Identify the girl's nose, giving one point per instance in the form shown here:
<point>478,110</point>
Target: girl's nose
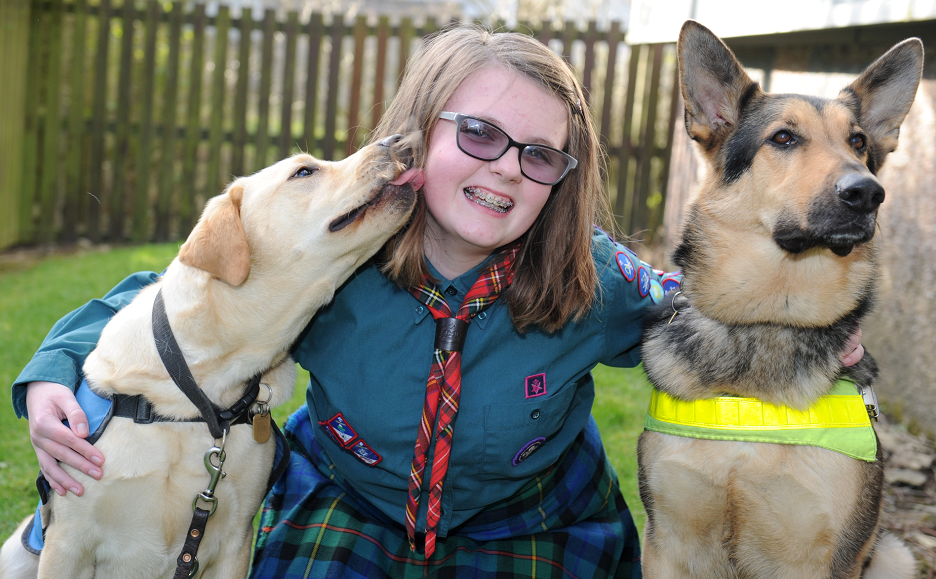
<point>508,165</point>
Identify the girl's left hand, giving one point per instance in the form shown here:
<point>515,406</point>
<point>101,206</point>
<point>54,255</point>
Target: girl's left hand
<point>854,351</point>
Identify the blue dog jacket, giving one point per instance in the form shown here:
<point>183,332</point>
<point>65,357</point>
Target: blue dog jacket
<point>99,411</point>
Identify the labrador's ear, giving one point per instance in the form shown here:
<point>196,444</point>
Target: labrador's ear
<point>218,244</point>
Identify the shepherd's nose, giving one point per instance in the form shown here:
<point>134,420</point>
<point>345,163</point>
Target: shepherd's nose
<point>389,141</point>
<point>861,193</point>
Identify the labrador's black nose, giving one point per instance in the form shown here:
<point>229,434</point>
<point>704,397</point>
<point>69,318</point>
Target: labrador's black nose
<point>389,141</point>
<point>861,193</point>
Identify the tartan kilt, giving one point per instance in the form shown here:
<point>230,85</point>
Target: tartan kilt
<point>571,522</point>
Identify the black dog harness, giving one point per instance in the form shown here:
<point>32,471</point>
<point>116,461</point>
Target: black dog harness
<point>139,409</point>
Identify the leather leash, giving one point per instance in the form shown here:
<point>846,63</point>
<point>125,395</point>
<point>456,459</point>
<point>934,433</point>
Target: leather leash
<point>219,423</point>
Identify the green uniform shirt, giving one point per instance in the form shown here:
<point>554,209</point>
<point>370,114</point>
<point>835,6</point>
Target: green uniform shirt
<point>369,354</point>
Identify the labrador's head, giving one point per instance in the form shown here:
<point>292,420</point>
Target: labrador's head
<point>306,221</point>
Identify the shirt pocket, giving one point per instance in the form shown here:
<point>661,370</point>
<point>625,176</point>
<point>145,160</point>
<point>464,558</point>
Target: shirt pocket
<point>517,436</point>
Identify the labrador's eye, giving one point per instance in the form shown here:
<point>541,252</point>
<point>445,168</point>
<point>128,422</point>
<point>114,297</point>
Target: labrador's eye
<point>304,172</point>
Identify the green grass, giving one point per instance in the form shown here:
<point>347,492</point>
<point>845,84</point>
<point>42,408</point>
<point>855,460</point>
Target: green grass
<point>35,296</point>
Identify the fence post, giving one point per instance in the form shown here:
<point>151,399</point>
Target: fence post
<point>14,45</point>
<point>74,187</point>
<point>214,181</point>
<point>289,85</point>
<point>142,208</point>
<point>99,123</point>
<point>239,140</point>
<point>193,122</point>
<point>331,103</point>
<point>314,30</point>
<point>167,158</point>
<point>357,72</point>
<point>261,152</point>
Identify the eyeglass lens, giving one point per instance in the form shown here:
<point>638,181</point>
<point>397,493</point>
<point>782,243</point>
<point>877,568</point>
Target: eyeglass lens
<point>487,142</point>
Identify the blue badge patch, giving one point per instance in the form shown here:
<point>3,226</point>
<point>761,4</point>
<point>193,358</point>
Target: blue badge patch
<point>644,280</point>
<point>626,265</point>
<point>656,291</point>
<point>339,428</point>
<point>365,453</point>
<point>670,285</point>
<point>528,449</point>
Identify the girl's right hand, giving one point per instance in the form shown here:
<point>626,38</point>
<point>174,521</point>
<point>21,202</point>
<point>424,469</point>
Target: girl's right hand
<point>48,404</point>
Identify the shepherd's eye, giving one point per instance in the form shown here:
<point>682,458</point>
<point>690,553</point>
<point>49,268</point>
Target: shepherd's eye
<point>304,172</point>
<point>783,138</point>
<point>858,141</point>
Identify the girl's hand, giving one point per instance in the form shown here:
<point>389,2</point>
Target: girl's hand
<point>854,351</point>
<point>48,404</point>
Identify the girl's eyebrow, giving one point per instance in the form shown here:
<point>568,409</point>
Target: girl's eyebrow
<point>533,141</point>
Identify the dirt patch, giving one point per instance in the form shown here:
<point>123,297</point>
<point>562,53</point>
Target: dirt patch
<point>910,497</point>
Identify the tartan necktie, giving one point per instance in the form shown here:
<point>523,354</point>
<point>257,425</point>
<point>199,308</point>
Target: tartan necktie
<point>444,385</point>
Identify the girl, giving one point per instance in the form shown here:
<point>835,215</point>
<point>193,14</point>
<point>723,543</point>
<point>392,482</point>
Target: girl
<point>493,467</point>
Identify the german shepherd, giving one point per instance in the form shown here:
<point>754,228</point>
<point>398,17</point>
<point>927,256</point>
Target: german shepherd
<point>779,260</point>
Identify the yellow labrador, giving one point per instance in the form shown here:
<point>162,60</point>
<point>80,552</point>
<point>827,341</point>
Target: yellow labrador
<point>266,254</point>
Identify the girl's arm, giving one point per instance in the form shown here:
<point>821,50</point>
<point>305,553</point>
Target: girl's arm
<point>44,390</point>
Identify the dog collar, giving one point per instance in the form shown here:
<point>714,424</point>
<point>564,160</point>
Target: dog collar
<point>218,420</point>
<point>838,421</point>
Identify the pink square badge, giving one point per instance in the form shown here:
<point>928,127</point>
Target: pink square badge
<point>535,385</point>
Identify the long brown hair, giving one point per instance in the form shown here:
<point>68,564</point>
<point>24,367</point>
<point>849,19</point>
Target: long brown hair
<point>555,278</point>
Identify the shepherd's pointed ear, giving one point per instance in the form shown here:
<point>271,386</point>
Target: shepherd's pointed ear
<point>218,243</point>
<point>713,83</point>
<point>883,94</point>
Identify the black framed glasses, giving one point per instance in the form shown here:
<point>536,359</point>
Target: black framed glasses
<point>484,141</point>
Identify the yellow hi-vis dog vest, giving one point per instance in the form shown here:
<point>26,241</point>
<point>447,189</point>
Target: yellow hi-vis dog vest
<point>838,421</point>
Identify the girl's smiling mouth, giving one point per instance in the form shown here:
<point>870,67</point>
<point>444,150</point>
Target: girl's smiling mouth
<point>489,200</point>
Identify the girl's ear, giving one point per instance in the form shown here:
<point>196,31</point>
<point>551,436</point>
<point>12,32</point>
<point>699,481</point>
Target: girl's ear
<point>218,244</point>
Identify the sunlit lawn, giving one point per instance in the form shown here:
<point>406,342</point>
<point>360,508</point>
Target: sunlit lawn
<point>34,296</point>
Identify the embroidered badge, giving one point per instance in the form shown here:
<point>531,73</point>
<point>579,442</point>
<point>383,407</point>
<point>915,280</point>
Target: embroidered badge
<point>535,385</point>
<point>644,281</point>
<point>338,427</point>
<point>627,267</point>
<point>365,453</point>
<point>670,285</point>
<point>528,449</point>
<point>324,425</point>
<point>656,291</point>
<point>659,272</point>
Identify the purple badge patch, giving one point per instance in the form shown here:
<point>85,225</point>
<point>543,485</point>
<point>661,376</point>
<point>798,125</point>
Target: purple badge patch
<point>535,385</point>
<point>644,281</point>
<point>528,449</point>
<point>341,430</point>
<point>365,453</point>
<point>627,267</point>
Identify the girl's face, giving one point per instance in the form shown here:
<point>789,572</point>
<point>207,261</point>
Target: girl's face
<point>477,206</point>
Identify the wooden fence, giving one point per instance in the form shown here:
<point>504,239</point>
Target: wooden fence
<point>126,117</point>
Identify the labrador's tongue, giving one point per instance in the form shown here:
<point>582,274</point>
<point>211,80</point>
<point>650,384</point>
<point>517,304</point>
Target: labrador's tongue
<point>414,177</point>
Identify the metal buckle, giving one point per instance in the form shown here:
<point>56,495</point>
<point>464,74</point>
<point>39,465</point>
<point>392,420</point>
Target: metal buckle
<point>870,400</point>
<point>216,474</point>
